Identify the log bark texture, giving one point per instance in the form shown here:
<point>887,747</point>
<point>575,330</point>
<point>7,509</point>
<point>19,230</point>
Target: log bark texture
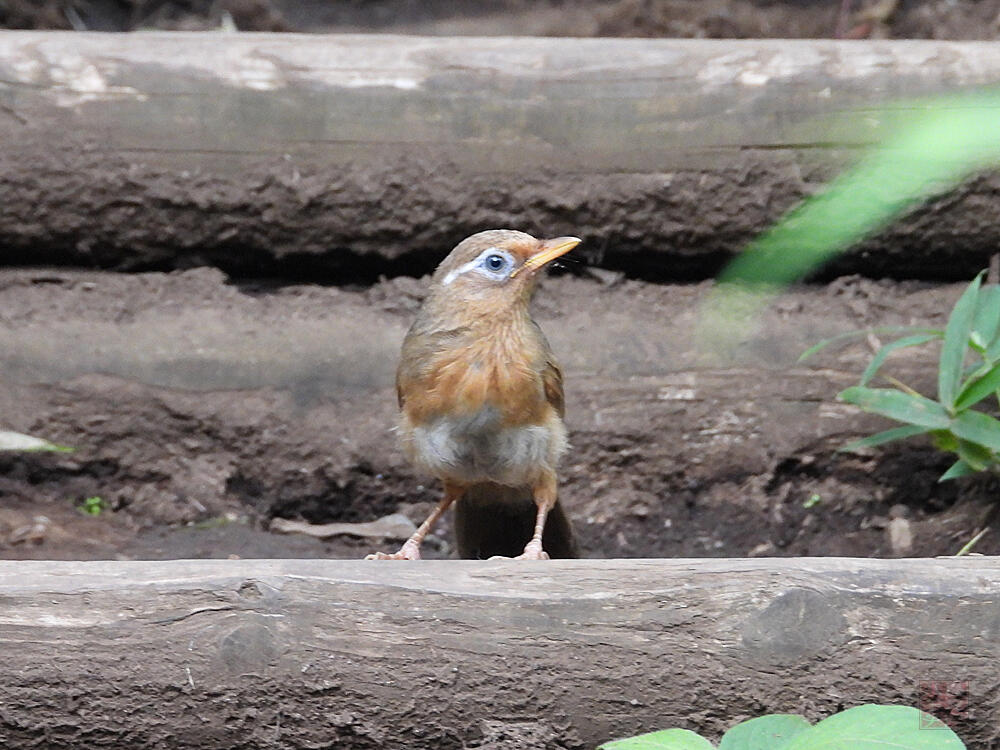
<point>297,653</point>
<point>348,156</point>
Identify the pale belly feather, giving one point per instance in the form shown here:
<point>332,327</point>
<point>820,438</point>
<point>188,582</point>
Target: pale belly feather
<point>478,448</point>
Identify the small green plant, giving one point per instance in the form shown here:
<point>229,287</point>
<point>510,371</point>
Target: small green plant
<point>869,727</point>
<point>968,374</point>
<point>812,501</point>
<point>93,506</point>
<point>16,441</point>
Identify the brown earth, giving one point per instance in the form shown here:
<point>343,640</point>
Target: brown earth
<point>728,19</point>
<point>201,410</point>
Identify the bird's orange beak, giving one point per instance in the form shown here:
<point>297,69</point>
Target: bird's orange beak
<point>548,251</point>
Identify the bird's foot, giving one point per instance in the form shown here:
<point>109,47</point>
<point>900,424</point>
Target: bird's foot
<point>409,551</point>
<point>533,554</point>
<point>532,551</point>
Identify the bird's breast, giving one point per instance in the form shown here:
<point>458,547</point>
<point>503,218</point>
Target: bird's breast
<point>478,411</point>
<point>495,372</point>
<point>479,447</point>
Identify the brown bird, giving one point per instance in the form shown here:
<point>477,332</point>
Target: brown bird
<point>481,398</point>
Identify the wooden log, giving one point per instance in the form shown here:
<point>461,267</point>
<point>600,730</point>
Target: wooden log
<point>348,156</point>
<point>307,653</point>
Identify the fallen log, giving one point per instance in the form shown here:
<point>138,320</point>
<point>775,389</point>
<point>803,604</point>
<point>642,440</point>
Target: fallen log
<point>312,653</point>
<point>349,156</point>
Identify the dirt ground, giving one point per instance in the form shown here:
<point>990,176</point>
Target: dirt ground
<point>917,19</point>
<point>202,409</point>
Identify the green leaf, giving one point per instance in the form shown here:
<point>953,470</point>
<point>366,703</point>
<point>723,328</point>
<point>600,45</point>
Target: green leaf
<point>975,456</point>
<point>827,342</point>
<point>879,438</point>
<point>944,441</point>
<point>771,732</point>
<point>973,372</point>
<point>956,342</point>
<point>903,407</point>
<point>93,506</point>
<point>986,328</point>
<point>15,441</point>
<point>992,353</point>
<point>667,739</point>
<point>940,141</point>
<point>874,727</point>
<point>976,390</point>
<point>977,427</point>
<point>889,348</point>
<point>957,469</point>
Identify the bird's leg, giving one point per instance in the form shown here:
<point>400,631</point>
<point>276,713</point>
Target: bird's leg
<point>843,18</point>
<point>411,547</point>
<point>545,499</point>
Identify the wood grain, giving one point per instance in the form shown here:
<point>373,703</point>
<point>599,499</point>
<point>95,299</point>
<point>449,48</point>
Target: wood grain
<point>312,653</point>
<point>348,154</point>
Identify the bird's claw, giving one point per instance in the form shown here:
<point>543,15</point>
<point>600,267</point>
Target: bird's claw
<point>533,555</point>
<point>406,552</point>
<point>531,552</point>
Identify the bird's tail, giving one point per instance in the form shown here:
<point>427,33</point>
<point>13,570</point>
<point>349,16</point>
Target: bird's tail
<point>491,519</point>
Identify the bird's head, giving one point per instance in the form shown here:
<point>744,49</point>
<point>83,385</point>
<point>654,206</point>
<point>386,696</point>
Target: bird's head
<point>498,267</point>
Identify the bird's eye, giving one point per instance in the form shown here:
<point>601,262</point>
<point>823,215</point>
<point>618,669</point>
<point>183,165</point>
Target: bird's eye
<point>495,262</point>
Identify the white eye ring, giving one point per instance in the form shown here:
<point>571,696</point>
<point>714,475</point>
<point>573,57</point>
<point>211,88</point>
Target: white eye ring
<point>495,263</point>
<point>482,265</point>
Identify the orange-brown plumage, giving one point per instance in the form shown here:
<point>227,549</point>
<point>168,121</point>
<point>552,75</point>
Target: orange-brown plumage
<point>479,391</point>
<point>502,364</point>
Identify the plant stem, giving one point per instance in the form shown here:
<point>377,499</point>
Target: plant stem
<point>901,385</point>
<point>972,542</point>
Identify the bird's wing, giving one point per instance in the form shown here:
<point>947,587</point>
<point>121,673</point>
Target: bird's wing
<point>400,398</point>
<point>410,360</point>
<point>552,378</point>
<point>553,382</point>
<point>421,347</point>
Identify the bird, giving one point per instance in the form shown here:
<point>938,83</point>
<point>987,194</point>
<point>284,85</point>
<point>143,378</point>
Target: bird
<point>481,401</point>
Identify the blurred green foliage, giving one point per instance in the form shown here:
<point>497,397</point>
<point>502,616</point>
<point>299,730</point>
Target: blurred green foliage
<point>939,142</point>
